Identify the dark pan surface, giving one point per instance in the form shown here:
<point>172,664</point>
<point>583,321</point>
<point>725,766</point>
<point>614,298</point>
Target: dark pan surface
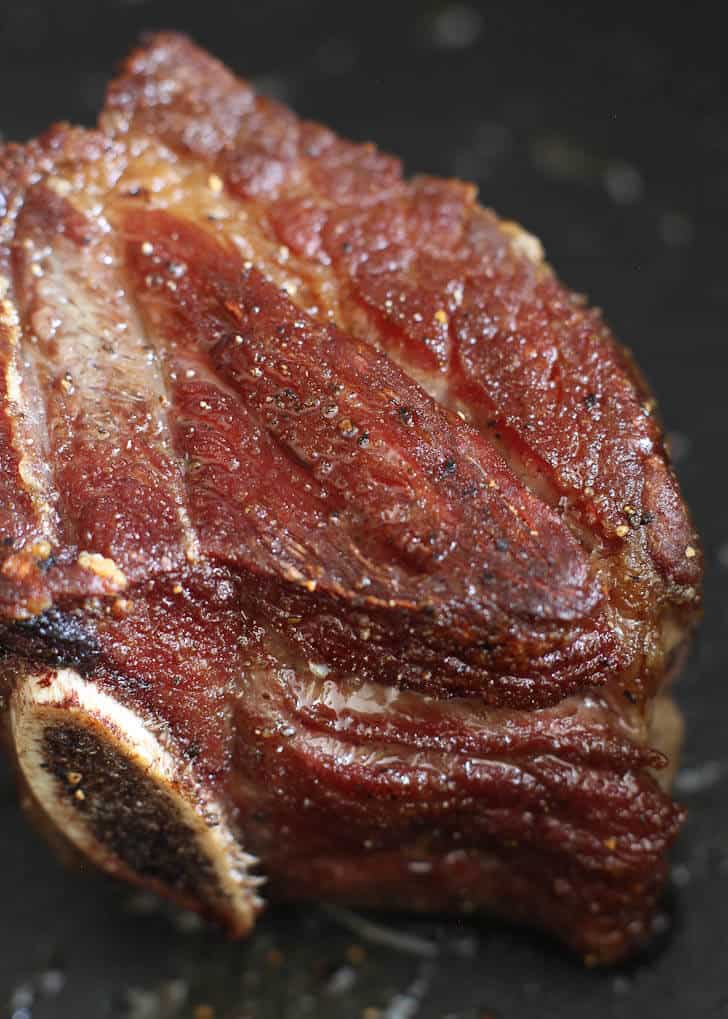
<point>607,135</point>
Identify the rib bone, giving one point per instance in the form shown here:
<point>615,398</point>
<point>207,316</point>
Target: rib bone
<point>122,795</point>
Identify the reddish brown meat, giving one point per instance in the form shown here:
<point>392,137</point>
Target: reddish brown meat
<point>317,487</point>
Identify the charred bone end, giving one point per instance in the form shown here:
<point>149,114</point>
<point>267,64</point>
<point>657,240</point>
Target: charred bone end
<point>126,800</point>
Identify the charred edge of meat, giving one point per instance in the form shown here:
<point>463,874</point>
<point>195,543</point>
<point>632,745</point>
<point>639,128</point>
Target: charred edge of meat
<point>54,638</point>
<point>127,801</point>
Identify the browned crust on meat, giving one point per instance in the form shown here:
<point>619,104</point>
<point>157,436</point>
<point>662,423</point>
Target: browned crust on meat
<point>255,384</point>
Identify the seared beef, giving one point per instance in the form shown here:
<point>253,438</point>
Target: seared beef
<point>338,541</point>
